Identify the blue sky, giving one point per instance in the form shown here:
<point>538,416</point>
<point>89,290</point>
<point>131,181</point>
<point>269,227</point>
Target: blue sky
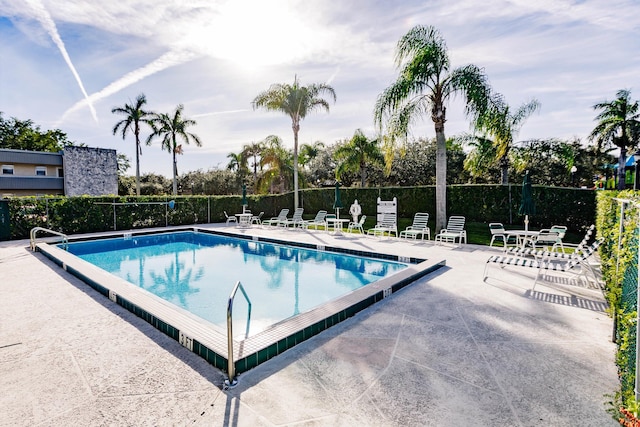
<point>66,64</point>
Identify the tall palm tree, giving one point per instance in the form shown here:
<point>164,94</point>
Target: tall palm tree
<point>170,129</point>
<point>135,115</point>
<point>503,124</point>
<point>355,155</point>
<point>425,84</point>
<point>618,123</point>
<point>296,101</point>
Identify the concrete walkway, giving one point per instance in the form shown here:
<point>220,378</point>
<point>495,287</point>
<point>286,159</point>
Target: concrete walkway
<point>449,350</point>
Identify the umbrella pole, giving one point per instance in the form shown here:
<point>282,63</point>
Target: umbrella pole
<point>526,223</point>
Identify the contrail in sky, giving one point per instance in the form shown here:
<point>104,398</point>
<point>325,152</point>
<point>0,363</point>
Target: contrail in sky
<point>167,60</point>
<point>216,113</point>
<point>42,15</point>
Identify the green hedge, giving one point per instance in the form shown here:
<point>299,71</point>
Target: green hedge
<point>619,265</point>
<point>478,203</point>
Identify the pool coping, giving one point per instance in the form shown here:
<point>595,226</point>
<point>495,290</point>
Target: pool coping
<point>208,340</point>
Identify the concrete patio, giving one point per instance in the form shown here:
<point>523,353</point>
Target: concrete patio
<point>451,349</point>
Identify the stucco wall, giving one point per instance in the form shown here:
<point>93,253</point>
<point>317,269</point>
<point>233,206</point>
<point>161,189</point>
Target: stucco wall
<point>90,171</point>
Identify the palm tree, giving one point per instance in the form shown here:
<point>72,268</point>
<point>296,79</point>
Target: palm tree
<point>482,156</point>
<point>425,84</point>
<point>308,152</point>
<point>295,101</point>
<point>618,123</point>
<point>499,122</point>
<point>253,150</point>
<point>134,116</point>
<point>356,155</point>
<point>170,128</point>
<point>276,161</point>
<point>236,161</point>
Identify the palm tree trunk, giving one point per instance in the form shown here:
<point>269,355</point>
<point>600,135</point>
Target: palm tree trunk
<point>504,167</point>
<point>175,178</point>
<point>137,167</point>
<point>622,160</point>
<point>441,167</point>
<point>296,128</point>
<point>137,132</point>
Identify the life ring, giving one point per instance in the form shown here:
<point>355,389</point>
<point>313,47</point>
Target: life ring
<point>355,209</point>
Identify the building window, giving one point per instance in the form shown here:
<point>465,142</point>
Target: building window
<point>60,173</point>
<point>7,169</point>
<point>41,171</point>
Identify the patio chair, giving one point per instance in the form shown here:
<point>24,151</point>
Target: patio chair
<point>282,216</point>
<point>577,265</point>
<point>499,233</point>
<point>454,231</point>
<point>295,221</point>
<point>257,219</point>
<point>315,222</point>
<point>561,230</point>
<point>419,227</point>
<point>357,225</point>
<point>546,239</point>
<point>230,218</point>
<point>387,224</point>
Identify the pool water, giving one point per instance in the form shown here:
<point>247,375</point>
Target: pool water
<point>197,271</point>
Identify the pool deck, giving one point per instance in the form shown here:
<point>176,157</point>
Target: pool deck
<point>451,349</point>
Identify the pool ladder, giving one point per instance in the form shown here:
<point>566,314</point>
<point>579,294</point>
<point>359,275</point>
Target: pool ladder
<point>231,367</point>
<point>34,231</point>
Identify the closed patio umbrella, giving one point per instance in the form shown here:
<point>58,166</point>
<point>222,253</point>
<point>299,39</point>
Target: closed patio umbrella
<point>337,203</point>
<point>527,207</point>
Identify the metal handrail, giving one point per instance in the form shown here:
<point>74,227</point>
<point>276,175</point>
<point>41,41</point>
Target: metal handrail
<point>32,234</point>
<point>231,367</point>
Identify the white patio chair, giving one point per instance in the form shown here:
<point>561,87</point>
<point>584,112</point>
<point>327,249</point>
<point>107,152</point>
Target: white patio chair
<point>546,239</point>
<point>454,231</point>
<point>419,227</point>
<point>282,216</point>
<point>257,219</point>
<point>315,222</point>
<point>295,221</point>
<point>230,218</point>
<point>357,225</point>
<point>499,233</point>
<point>387,224</point>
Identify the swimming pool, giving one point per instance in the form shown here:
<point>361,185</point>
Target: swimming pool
<point>208,340</point>
<point>197,272</point>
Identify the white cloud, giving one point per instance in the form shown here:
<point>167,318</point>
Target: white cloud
<point>215,56</point>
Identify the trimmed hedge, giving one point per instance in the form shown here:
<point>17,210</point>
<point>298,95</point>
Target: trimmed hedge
<point>478,203</point>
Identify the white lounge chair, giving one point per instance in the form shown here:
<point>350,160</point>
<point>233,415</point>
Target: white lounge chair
<point>419,227</point>
<point>282,216</point>
<point>315,222</point>
<point>454,231</point>
<point>575,263</point>
<point>539,253</point>
<point>295,221</point>
<point>357,225</point>
<point>387,224</point>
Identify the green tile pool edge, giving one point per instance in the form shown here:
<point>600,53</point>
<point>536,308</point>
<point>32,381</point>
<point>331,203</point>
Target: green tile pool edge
<point>262,355</point>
